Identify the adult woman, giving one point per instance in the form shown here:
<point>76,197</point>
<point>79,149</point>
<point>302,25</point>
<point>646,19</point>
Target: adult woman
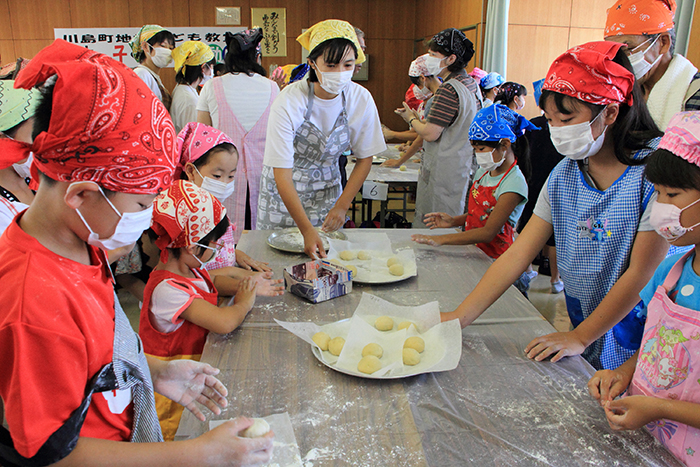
<point>151,47</point>
<point>238,103</point>
<point>595,203</point>
<point>511,95</point>
<point>447,161</point>
<point>312,123</point>
<point>194,66</point>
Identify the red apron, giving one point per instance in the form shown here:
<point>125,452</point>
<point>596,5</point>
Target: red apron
<point>665,368</point>
<point>481,203</point>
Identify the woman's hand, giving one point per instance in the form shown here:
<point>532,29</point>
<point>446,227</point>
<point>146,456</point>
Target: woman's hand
<point>246,262</point>
<point>441,220</point>
<point>391,163</point>
<point>432,240</point>
<point>561,344</point>
<point>406,113</point>
<point>313,245</point>
<point>335,219</point>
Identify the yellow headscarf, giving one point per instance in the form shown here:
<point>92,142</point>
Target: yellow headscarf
<point>191,53</point>
<point>330,29</point>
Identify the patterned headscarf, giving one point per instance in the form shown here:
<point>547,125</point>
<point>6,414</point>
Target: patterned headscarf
<point>183,215</point>
<point>145,33</point>
<point>330,29</point>
<point>455,42</point>
<point>248,39</point>
<point>637,17</point>
<point>491,80</point>
<point>191,53</point>
<point>587,72</point>
<point>194,140</point>
<point>497,122</point>
<point>16,105</point>
<point>418,67</point>
<point>477,73</point>
<point>682,136</point>
<point>106,125</point>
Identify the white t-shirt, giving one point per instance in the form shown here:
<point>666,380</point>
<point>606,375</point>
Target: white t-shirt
<point>169,299</point>
<point>183,109</point>
<point>8,211</point>
<point>287,114</point>
<point>247,97</point>
<point>151,79</point>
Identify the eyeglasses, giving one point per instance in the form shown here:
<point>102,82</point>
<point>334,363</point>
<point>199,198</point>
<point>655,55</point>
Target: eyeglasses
<point>218,246</point>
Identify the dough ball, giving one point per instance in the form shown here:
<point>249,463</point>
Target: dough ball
<point>406,325</point>
<point>396,269</point>
<point>392,261</point>
<point>337,261</point>
<point>321,339</point>
<point>373,349</point>
<point>353,270</point>
<point>416,343</point>
<point>384,323</point>
<point>259,428</point>
<point>335,346</point>
<point>402,168</point>
<point>411,357</point>
<point>369,364</point>
<point>347,255</point>
<point>363,255</point>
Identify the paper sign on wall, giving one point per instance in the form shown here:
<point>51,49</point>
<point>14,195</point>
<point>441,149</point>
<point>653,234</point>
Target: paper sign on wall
<point>375,190</point>
<point>273,22</point>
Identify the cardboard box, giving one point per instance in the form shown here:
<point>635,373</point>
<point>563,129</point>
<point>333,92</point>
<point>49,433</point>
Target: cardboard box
<point>318,281</point>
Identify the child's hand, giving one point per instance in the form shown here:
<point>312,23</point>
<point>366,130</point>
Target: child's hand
<point>559,344</point>
<point>630,413</point>
<point>606,385</point>
<point>436,220</point>
<point>431,240</point>
<point>246,262</point>
<point>246,293</point>
<point>267,287</point>
<point>223,446</point>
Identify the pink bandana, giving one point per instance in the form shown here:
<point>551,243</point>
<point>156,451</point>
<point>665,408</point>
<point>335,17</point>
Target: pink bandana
<point>682,136</point>
<point>195,140</point>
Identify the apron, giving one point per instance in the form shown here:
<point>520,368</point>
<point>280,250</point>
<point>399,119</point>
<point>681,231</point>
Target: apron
<point>665,368</point>
<point>315,174</point>
<point>227,256</point>
<point>446,164</point>
<point>185,342</point>
<point>251,151</point>
<point>128,370</point>
<point>482,204</point>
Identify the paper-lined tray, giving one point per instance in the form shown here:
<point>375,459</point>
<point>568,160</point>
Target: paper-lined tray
<point>375,269</point>
<point>443,341</point>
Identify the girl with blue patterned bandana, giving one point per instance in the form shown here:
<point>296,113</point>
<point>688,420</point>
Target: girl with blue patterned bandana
<point>596,203</point>
<point>665,367</point>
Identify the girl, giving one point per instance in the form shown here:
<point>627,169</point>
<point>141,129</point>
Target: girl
<point>151,47</point>
<point>511,95</point>
<point>665,367</point>
<point>499,191</point>
<point>489,87</point>
<point>596,202</point>
<point>194,66</point>
<point>180,301</point>
<point>312,123</point>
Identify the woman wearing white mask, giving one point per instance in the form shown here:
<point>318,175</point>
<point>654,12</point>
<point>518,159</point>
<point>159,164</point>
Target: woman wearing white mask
<point>596,202</point>
<point>194,66</point>
<point>312,123</point>
<point>152,48</point>
<point>238,103</point>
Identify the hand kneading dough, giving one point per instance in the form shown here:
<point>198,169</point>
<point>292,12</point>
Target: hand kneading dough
<point>369,364</point>
<point>321,339</point>
<point>406,325</point>
<point>335,346</point>
<point>392,261</point>
<point>411,357</point>
<point>347,255</point>
<point>259,428</point>
<point>384,323</point>
<point>363,255</point>
<point>416,343</point>
<point>396,269</point>
<point>373,349</point>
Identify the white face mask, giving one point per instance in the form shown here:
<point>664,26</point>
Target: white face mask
<point>206,78</point>
<point>204,263</point>
<point>334,82</point>
<point>485,160</point>
<point>433,65</point>
<point>219,189</point>
<point>129,229</point>
<point>23,168</point>
<point>576,141</point>
<point>422,94</point>
<point>161,57</point>
<point>666,220</point>
<point>640,65</point>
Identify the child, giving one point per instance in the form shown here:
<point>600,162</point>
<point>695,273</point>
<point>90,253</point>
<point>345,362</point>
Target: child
<point>665,368</point>
<point>194,65</point>
<point>152,48</point>
<point>73,378</point>
<point>180,301</point>
<point>499,191</point>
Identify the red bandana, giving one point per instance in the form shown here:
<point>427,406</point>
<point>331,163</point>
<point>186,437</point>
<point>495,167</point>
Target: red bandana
<point>106,126</point>
<point>588,73</point>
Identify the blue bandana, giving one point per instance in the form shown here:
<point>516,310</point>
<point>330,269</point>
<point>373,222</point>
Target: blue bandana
<point>497,122</point>
<point>492,80</point>
<point>538,89</point>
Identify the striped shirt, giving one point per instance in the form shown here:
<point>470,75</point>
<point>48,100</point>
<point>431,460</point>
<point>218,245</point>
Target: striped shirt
<point>445,107</point>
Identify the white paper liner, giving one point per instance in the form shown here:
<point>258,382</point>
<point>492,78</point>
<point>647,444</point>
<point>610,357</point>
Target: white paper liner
<point>285,451</point>
<point>378,245</point>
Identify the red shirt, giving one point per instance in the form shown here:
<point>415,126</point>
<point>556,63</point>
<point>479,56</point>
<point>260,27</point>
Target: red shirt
<point>411,100</point>
<point>56,332</point>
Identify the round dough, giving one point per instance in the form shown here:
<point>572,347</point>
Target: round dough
<point>416,343</point>
<point>337,261</point>
<point>353,270</point>
<point>347,255</point>
<point>335,346</point>
<point>384,323</point>
<point>321,339</point>
<point>406,325</point>
<point>363,255</point>
<point>392,261</point>
<point>369,364</point>
<point>411,357</point>
<point>402,168</point>
<point>373,349</point>
<point>259,428</point>
<point>396,269</point>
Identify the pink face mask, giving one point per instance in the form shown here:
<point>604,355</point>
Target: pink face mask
<point>666,220</point>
